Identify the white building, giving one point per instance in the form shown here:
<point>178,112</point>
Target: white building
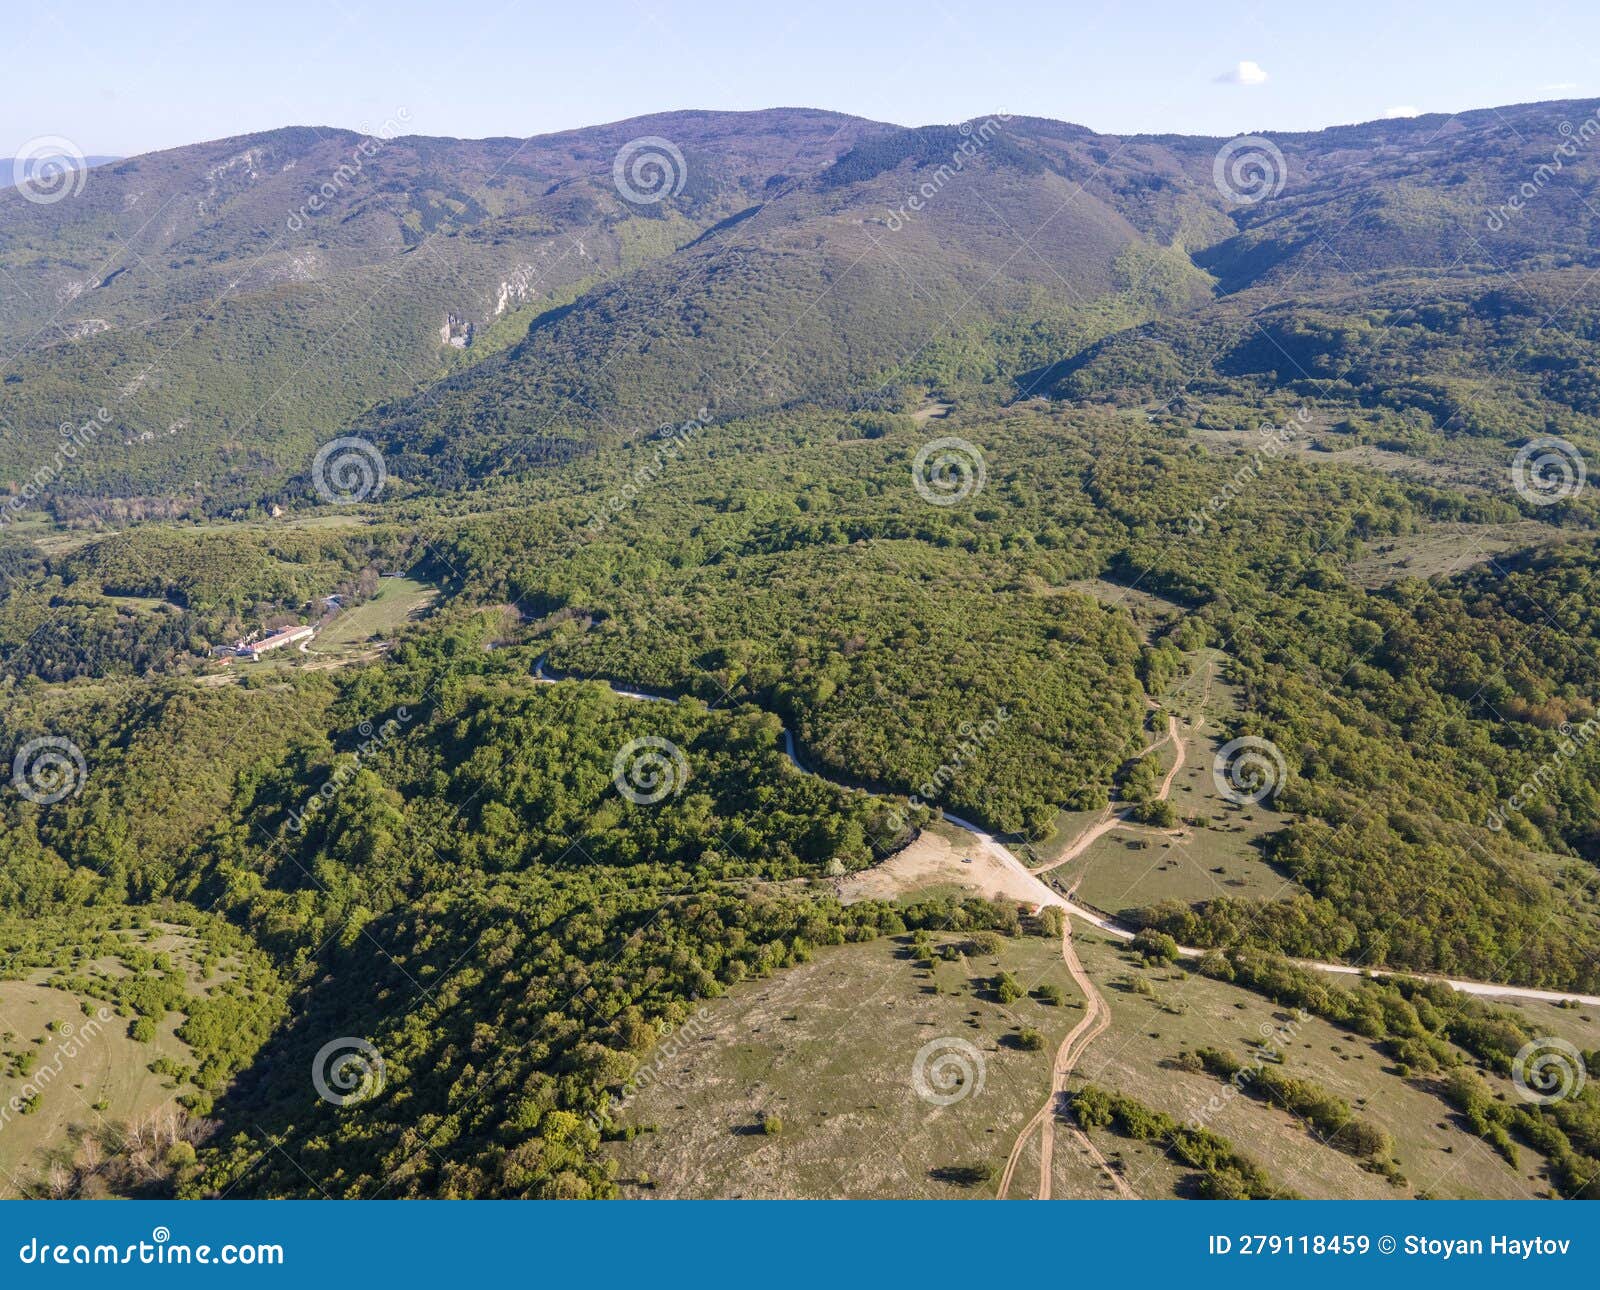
<point>288,636</point>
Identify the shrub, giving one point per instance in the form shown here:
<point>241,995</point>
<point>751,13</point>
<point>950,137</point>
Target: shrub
<point>1157,947</point>
<point>965,1175</point>
<point>1159,814</point>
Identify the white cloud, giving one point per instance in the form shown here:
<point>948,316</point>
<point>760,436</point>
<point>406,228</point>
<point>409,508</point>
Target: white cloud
<point>1399,113</point>
<point>1246,73</point>
<point>1560,87</point>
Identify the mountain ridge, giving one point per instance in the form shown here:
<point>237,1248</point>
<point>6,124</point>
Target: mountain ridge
<point>264,292</point>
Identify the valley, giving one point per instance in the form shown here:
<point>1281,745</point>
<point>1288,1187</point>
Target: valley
<point>1081,685</point>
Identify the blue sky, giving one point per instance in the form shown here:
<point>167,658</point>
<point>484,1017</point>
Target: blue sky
<point>121,78</point>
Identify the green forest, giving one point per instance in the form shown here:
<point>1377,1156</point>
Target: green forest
<point>1206,445</point>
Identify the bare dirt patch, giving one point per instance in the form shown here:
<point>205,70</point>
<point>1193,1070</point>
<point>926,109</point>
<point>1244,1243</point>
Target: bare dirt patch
<point>936,860</point>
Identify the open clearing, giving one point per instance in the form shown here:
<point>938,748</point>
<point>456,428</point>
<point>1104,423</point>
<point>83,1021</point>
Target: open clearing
<point>1435,1150</point>
<point>1148,611</point>
<point>830,1046</point>
<point>355,635</point>
<point>1214,851</point>
<point>396,602</point>
<point>68,1055</point>
<point>87,1074</point>
<point>941,856</point>
<point>1469,465</point>
<point>789,1049</point>
<point>1445,550</point>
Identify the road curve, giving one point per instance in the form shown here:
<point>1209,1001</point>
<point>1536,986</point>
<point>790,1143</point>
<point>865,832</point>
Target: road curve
<point>1097,1015</point>
<point>1122,932</point>
<point>1045,895</point>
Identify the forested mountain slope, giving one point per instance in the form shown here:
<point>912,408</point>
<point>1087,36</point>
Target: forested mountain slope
<point>966,463</point>
<point>230,304</point>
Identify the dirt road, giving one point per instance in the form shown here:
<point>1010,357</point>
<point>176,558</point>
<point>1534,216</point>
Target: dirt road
<point>1096,1014</point>
<point>1111,818</point>
<point>1096,1017</point>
